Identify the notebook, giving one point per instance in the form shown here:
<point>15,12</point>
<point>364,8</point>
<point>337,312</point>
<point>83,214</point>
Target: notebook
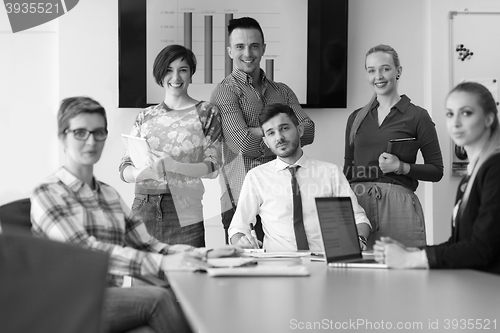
<point>138,150</point>
<point>340,235</point>
<point>405,149</point>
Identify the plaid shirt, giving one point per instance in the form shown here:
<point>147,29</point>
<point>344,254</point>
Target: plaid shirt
<point>240,105</point>
<point>63,208</point>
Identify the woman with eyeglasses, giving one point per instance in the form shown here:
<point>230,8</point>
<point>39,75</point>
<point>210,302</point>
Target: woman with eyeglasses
<point>72,206</point>
<point>472,121</point>
<point>184,136</point>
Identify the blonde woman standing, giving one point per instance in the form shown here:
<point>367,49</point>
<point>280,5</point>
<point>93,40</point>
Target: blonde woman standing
<point>385,183</point>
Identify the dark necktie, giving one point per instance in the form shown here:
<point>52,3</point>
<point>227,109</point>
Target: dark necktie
<point>298,222</point>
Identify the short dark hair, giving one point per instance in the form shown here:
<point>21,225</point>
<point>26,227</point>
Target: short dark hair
<point>244,23</point>
<point>272,110</point>
<point>72,107</point>
<point>168,55</point>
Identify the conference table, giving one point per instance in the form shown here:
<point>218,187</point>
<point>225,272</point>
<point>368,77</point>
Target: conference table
<point>341,299</point>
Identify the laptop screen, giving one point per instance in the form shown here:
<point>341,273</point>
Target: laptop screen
<point>338,228</point>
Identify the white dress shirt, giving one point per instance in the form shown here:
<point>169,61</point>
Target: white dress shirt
<point>267,192</point>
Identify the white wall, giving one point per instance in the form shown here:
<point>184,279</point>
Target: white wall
<point>28,102</point>
<point>78,55</point>
<point>444,191</point>
<point>366,29</point>
<point>372,23</point>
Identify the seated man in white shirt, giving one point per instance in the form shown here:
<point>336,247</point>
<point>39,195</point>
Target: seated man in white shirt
<point>267,190</point>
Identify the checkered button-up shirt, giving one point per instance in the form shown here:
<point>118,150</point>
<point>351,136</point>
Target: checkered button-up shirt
<point>63,208</point>
<point>240,105</point>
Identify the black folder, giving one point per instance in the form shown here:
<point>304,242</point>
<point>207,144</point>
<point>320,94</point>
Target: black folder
<point>405,149</point>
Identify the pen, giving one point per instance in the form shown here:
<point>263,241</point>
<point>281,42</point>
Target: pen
<point>254,235</point>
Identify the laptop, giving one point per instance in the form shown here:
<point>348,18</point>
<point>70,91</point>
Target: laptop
<point>340,235</point>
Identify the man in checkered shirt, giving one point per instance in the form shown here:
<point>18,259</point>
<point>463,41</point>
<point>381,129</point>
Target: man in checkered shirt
<point>240,97</point>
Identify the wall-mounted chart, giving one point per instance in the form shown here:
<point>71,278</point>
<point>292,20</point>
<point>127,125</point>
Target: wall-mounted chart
<point>201,26</point>
<point>306,45</point>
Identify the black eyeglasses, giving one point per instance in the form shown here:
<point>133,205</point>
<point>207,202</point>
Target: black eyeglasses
<point>82,134</point>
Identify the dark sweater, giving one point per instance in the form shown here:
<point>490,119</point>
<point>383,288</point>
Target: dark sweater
<point>475,239</point>
<point>405,120</point>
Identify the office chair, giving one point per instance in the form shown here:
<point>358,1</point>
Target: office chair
<point>50,287</point>
<point>15,217</point>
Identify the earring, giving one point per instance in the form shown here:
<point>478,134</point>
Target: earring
<point>397,77</point>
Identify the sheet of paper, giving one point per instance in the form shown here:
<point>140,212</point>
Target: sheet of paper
<point>297,270</point>
<point>138,150</point>
<point>230,262</point>
<point>291,254</point>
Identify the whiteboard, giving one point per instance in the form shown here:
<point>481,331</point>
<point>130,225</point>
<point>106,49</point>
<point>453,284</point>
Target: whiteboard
<point>474,56</point>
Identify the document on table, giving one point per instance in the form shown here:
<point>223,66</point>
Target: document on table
<point>260,270</point>
<point>194,265</point>
<point>291,254</point>
<point>230,262</point>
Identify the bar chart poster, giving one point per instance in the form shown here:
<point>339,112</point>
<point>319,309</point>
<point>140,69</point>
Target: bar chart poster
<point>201,26</point>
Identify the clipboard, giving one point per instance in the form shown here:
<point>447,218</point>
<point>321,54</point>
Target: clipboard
<point>405,149</point>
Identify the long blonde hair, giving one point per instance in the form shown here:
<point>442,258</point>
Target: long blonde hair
<point>492,146</point>
<point>364,111</point>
